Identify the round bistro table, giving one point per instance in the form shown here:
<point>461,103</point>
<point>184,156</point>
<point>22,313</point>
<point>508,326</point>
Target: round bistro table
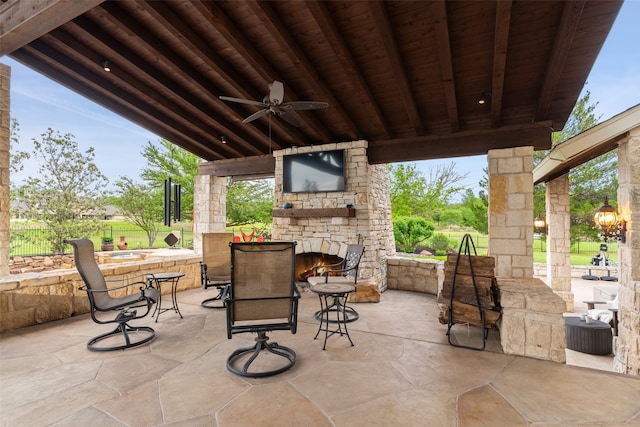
<point>158,279</point>
<point>591,338</point>
<point>338,293</point>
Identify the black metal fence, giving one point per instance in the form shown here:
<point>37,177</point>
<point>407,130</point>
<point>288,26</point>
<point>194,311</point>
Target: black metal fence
<point>30,241</point>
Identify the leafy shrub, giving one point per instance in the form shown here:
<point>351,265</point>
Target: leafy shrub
<point>409,231</point>
<point>440,243</point>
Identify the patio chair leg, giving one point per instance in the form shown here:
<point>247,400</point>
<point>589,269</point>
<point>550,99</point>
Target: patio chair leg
<point>122,329</point>
<point>261,344</point>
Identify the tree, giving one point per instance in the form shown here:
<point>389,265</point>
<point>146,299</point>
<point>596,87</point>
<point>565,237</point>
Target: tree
<point>167,160</point>
<point>249,202</point>
<point>474,211</point>
<point>16,157</point>
<point>406,190</point>
<point>66,193</point>
<point>141,205</point>
<point>590,182</point>
<point>413,195</point>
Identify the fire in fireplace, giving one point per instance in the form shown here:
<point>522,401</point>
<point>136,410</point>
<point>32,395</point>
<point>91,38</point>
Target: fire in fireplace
<point>306,261</point>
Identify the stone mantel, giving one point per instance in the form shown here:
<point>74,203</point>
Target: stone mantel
<point>315,213</point>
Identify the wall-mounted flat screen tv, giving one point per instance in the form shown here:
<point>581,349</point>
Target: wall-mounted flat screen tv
<point>313,172</point>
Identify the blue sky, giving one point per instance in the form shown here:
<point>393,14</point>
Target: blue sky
<point>39,103</point>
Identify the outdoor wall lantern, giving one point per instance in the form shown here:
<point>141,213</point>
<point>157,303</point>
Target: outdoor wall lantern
<point>540,225</point>
<point>611,227</point>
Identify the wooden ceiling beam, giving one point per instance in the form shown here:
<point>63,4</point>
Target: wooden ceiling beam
<point>563,41</point>
<point>162,13</point>
<point>466,143</point>
<point>170,91</point>
<point>170,60</point>
<point>225,26</point>
<point>247,167</point>
<point>443,46</point>
<point>154,123</point>
<point>137,89</point>
<point>500,47</point>
<point>278,30</point>
<point>392,53</point>
<point>21,22</point>
<point>218,18</point>
<point>349,66</point>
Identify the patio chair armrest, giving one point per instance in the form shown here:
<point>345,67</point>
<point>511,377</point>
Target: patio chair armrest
<point>225,294</point>
<point>591,304</point>
<point>342,270</point>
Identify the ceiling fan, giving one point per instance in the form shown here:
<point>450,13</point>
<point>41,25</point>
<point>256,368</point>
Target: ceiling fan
<point>272,103</point>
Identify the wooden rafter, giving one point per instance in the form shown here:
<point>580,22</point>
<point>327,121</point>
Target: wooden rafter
<point>500,46</point>
<point>443,45</point>
<point>143,116</point>
<point>163,13</point>
<point>563,42</point>
<point>21,22</point>
<point>384,28</point>
<point>169,87</point>
<point>278,30</point>
<point>349,66</point>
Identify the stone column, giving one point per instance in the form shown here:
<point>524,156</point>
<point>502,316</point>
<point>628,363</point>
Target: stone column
<point>209,207</point>
<point>558,238</point>
<point>627,359</point>
<point>511,211</point>
<point>5,145</point>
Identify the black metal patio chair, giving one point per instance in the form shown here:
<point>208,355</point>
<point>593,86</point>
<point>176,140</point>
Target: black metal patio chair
<point>262,297</point>
<point>133,294</point>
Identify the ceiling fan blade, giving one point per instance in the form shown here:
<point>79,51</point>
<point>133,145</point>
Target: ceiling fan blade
<point>276,93</point>
<point>242,101</point>
<point>256,115</point>
<point>289,117</point>
<point>305,105</point>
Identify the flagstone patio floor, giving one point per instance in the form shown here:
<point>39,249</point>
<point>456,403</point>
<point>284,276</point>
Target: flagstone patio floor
<point>401,372</point>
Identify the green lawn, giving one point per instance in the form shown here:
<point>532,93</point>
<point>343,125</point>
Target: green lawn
<point>581,253</point>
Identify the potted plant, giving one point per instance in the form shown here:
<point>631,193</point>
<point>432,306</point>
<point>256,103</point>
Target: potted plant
<point>107,243</point>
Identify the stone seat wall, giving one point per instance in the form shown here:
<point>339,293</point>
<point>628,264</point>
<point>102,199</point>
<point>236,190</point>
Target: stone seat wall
<point>532,321</point>
<point>33,298</point>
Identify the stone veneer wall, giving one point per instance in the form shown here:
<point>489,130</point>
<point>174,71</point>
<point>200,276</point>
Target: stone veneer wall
<point>5,146</point>
<point>33,298</point>
<point>558,213</point>
<point>511,211</point>
<point>366,189</point>
<point>210,215</point>
<point>532,321</point>
<point>415,274</point>
<point>627,358</point>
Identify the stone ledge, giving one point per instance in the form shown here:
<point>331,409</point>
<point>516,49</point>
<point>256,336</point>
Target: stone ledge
<point>532,322</point>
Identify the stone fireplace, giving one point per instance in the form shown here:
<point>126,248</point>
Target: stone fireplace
<point>324,223</point>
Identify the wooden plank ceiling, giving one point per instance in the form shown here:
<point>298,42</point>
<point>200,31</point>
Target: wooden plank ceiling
<point>404,75</point>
